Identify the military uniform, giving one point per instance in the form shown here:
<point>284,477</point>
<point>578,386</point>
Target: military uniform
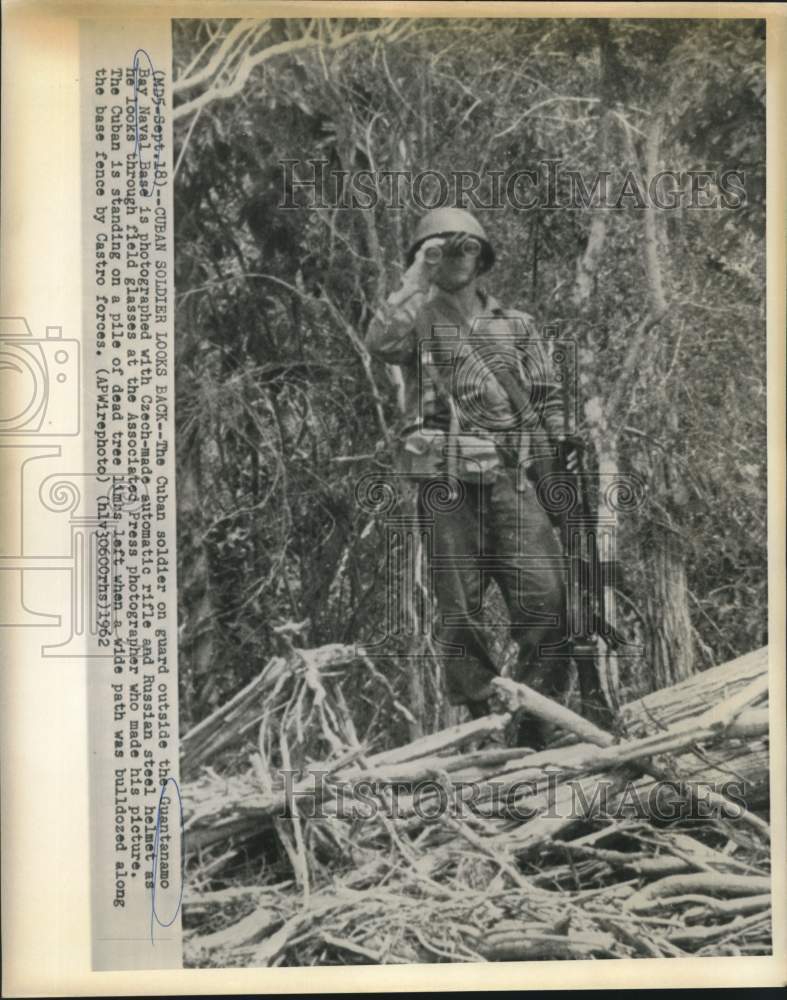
<point>467,428</point>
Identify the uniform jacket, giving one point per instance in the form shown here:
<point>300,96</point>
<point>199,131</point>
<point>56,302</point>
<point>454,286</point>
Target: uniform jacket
<point>478,395</point>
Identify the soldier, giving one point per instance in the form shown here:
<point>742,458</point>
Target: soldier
<point>477,397</point>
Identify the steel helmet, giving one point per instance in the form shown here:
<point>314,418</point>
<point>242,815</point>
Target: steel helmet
<point>441,222</point>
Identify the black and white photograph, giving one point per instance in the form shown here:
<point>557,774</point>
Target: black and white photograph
<point>392,509</point>
<point>472,510</point>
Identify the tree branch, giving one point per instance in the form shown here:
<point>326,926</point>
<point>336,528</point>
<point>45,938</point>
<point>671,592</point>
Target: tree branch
<point>213,65</point>
<point>236,84</point>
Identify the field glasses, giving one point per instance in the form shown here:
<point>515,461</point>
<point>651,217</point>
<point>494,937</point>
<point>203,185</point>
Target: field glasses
<point>460,244</point>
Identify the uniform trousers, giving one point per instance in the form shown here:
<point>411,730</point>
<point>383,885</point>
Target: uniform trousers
<point>485,530</point>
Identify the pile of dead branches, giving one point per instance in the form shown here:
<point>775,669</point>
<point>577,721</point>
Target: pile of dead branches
<point>306,846</point>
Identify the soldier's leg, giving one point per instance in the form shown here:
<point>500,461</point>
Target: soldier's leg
<point>454,537</point>
<point>531,577</point>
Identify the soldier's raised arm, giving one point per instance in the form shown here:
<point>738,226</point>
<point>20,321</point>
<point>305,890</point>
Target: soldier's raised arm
<point>391,332</point>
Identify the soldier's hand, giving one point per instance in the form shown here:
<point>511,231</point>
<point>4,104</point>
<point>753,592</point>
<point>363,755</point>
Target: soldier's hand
<point>420,274</point>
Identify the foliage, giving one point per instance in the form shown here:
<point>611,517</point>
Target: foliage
<point>280,411</point>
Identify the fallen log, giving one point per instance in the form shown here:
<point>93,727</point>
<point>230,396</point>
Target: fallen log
<point>523,943</point>
<point>520,696</point>
<point>433,879</point>
<point>677,731</point>
<point>707,883</point>
<point>688,698</point>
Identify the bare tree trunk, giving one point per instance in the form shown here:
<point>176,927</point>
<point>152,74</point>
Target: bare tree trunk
<point>671,639</point>
<point>588,262</point>
<point>671,636</point>
<point>597,411</point>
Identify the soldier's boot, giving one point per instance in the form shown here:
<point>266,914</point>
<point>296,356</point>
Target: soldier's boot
<point>478,709</point>
<point>550,678</point>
